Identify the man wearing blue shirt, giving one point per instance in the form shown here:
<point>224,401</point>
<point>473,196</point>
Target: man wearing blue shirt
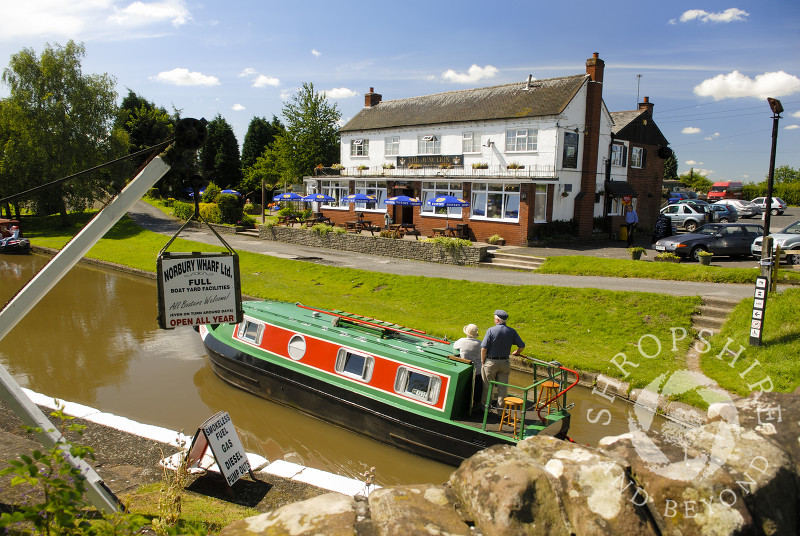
<point>631,220</point>
<point>495,350</point>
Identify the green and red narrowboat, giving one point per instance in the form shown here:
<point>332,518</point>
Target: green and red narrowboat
<point>391,383</point>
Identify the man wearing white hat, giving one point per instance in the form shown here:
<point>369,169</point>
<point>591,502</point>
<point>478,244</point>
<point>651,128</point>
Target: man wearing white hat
<point>495,350</point>
<point>469,347</point>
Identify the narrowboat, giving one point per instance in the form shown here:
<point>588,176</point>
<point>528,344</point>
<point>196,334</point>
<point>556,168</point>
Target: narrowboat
<point>11,240</point>
<point>392,383</point>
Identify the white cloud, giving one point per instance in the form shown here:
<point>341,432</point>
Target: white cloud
<point>89,19</point>
<point>263,80</point>
<point>146,13</point>
<point>286,94</point>
<point>729,15</point>
<point>473,75</point>
<point>183,77</point>
<point>316,52</point>
<point>248,71</point>
<point>735,84</point>
<point>237,107</point>
<point>791,127</point>
<point>693,163</point>
<point>795,114</point>
<point>339,93</point>
<point>698,171</point>
<point>712,137</point>
<point>690,130</point>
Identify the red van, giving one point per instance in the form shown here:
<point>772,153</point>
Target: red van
<point>725,190</point>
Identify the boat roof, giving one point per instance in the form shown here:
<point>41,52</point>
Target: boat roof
<point>367,334</point>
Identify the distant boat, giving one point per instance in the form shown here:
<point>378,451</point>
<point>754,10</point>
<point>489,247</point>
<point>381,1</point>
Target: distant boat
<point>11,239</point>
<point>388,382</point>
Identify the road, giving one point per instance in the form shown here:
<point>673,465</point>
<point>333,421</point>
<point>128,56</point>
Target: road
<point>153,219</point>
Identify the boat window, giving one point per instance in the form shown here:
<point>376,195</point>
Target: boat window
<point>297,347</point>
<point>417,385</point>
<point>354,365</point>
<point>251,331</point>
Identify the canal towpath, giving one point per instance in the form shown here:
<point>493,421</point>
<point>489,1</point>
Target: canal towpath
<point>152,219</point>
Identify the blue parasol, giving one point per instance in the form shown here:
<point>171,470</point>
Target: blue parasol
<point>318,198</point>
<point>359,198</point>
<point>289,196</point>
<point>447,201</point>
<point>232,192</point>
<point>403,200</point>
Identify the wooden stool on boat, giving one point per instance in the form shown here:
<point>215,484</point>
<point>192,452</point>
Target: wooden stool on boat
<point>549,390</point>
<point>511,406</point>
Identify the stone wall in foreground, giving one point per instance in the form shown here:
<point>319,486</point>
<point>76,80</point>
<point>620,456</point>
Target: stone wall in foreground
<point>736,474</point>
<point>376,245</point>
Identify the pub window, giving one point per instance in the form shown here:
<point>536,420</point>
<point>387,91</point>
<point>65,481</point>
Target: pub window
<point>429,144</point>
<point>570,159</point>
<point>392,146</point>
<point>353,365</point>
<point>376,189</point>
<point>619,155</point>
<point>251,331</point>
<point>432,190</point>
<point>637,157</point>
<point>471,142</point>
<point>337,189</point>
<point>359,147</point>
<point>540,203</point>
<point>417,385</point>
<point>522,140</point>
<point>498,201</point>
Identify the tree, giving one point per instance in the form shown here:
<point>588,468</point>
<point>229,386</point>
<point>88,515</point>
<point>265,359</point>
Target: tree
<point>64,123</point>
<point>146,124</point>
<point>671,168</point>
<point>695,181</point>
<point>786,174</point>
<point>266,170</point>
<point>220,154</point>
<point>260,135</point>
<point>311,136</point>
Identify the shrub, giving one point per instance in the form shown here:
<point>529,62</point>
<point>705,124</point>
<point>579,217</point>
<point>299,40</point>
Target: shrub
<point>153,193</point>
<point>211,193</point>
<point>247,221</point>
<point>386,233</point>
<point>183,211</point>
<point>210,212</point>
<point>480,165</point>
<point>230,208</point>
<point>322,229</point>
<point>451,245</point>
<point>494,239</point>
<point>168,202</point>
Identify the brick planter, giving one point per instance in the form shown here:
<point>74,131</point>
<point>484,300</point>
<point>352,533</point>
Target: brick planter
<point>376,245</point>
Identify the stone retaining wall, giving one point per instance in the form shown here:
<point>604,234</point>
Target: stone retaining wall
<point>376,245</point>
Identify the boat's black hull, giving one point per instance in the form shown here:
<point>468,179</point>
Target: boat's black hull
<point>435,439</point>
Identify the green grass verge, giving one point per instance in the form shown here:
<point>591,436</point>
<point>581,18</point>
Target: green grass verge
<point>583,265</point>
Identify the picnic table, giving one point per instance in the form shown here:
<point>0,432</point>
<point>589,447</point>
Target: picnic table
<point>361,225</point>
<point>288,220</point>
<point>444,231</point>
<point>404,229</point>
<point>310,222</point>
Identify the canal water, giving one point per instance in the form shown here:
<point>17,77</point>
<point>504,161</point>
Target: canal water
<point>94,339</point>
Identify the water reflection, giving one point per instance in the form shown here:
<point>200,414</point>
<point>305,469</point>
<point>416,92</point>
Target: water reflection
<point>94,340</point>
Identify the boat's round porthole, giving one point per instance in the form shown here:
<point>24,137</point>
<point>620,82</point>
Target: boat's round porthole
<point>297,347</point>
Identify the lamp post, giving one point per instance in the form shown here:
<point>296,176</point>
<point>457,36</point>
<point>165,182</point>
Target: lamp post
<point>764,281</point>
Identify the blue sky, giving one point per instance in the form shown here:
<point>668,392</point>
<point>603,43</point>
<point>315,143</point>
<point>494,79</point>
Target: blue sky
<point>707,66</point>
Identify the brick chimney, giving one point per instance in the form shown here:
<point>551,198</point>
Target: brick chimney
<point>371,98</point>
<point>584,205</point>
<point>646,105</point>
<point>595,67</point>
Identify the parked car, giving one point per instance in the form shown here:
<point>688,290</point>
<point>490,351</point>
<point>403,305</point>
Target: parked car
<point>789,241</point>
<point>690,216</point>
<point>744,208</point>
<point>674,197</point>
<point>777,207</point>
<point>723,213</point>
<point>717,238</point>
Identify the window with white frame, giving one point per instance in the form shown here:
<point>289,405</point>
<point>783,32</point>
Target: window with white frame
<point>637,157</point>
<point>338,189</point>
<point>522,140</point>
<point>471,142</point>
<point>429,144</point>
<point>359,147</point>
<point>376,189</point>
<point>432,190</point>
<point>616,208</point>
<point>540,203</point>
<point>391,146</point>
<point>619,154</point>
<point>495,200</point>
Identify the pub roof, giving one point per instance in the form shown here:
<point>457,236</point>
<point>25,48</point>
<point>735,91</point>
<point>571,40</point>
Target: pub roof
<point>538,98</point>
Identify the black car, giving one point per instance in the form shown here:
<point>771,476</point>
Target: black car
<point>717,238</point>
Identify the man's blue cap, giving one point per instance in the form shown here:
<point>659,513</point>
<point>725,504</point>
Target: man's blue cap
<point>502,315</point>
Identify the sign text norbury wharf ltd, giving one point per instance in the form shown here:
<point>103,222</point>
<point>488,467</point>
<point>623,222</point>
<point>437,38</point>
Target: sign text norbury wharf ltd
<point>198,288</point>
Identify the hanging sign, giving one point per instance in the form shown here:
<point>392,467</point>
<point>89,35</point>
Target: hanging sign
<point>626,200</point>
<point>759,304</point>
<point>198,288</point>
<point>219,433</point>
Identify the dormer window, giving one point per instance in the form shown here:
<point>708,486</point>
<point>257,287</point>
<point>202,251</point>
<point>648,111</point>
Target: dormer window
<point>429,144</point>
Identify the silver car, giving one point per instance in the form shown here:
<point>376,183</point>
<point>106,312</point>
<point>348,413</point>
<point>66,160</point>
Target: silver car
<point>686,215</point>
<point>744,208</point>
<point>789,241</point>
<point>777,207</point>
